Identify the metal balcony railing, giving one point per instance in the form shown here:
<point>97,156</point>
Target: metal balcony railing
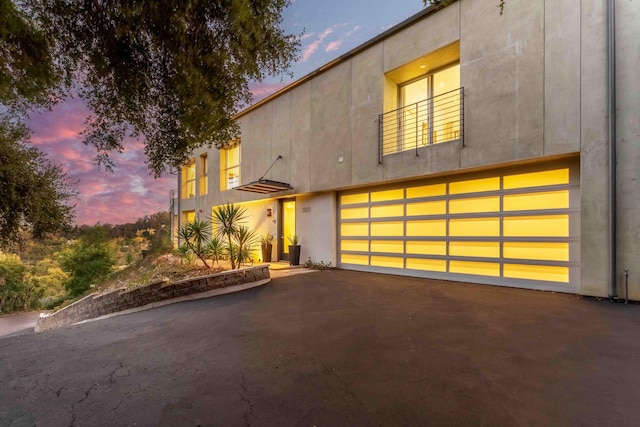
<point>432,121</point>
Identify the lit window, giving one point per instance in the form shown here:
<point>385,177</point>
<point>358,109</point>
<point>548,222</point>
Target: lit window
<point>189,179</point>
<point>230,167</point>
<point>429,112</point>
<point>204,174</point>
<point>188,216</point>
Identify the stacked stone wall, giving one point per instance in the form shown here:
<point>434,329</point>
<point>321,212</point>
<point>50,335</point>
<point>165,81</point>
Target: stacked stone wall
<point>97,305</point>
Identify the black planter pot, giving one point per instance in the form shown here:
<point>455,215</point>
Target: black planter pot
<point>266,253</point>
<point>294,255</point>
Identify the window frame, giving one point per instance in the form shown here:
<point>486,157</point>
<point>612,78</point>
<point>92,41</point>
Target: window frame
<point>225,167</point>
<point>188,182</point>
<point>203,187</point>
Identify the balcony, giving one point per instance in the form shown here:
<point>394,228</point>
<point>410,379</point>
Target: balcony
<point>424,123</point>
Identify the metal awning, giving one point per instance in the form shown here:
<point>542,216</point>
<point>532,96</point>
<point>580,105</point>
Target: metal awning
<point>265,186</point>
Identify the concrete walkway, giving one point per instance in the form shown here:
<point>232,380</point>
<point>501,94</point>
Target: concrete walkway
<point>19,323</point>
<point>336,348</point>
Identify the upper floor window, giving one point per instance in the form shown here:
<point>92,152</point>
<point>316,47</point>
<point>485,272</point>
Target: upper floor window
<point>430,108</point>
<point>230,167</point>
<point>204,175</point>
<point>189,179</point>
<point>428,111</point>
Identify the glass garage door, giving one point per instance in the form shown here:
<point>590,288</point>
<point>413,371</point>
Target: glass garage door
<point>518,228</point>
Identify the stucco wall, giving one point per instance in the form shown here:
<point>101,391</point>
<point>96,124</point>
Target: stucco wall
<point>523,83</point>
<point>628,144</point>
<point>316,225</point>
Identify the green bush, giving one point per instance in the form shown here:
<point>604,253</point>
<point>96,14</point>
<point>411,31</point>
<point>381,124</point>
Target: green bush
<point>88,261</point>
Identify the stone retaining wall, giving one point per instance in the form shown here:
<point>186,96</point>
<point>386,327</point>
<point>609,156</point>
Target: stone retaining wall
<point>96,305</point>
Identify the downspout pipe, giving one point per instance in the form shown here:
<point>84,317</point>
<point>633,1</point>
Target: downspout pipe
<point>611,88</point>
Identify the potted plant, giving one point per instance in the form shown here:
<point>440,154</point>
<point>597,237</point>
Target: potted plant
<point>294,250</point>
<point>266,242</point>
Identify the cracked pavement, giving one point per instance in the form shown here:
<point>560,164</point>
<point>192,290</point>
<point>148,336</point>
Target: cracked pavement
<point>335,348</point>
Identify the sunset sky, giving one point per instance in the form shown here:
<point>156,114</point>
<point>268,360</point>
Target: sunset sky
<point>331,28</point>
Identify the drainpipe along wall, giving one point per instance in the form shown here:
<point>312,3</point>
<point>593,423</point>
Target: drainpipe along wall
<point>611,65</point>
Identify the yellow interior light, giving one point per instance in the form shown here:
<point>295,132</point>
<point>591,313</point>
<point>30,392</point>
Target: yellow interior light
<point>537,201</point>
<point>354,229</point>
<point>428,247</point>
<point>477,268</point>
<point>475,185</point>
<point>353,199</point>
<point>389,246</point>
<point>387,261</point>
<point>544,251</point>
<point>427,228</point>
<point>473,205</point>
<point>427,191</point>
<point>537,272</point>
<point>475,249</point>
<point>474,227</point>
<point>354,259</point>
<point>537,226</point>
<point>355,245</point>
<point>387,211</point>
<point>387,228</point>
<point>354,213</point>
<point>427,264</point>
<point>536,179</point>
<point>438,207</point>
<point>387,195</point>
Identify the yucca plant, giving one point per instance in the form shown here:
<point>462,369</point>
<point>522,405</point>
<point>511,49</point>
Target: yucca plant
<point>226,220</point>
<point>245,239</point>
<point>195,236</point>
<point>215,250</point>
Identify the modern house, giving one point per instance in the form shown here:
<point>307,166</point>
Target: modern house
<point>460,145</point>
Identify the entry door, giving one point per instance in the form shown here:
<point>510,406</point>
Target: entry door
<point>287,226</point>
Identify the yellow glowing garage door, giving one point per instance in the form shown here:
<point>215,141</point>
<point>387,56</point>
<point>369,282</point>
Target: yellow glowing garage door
<point>519,227</point>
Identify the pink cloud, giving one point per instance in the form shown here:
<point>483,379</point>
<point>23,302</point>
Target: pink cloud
<point>125,195</point>
<point>313,46</point>
<point>262,90</point>
<point>334,45</point>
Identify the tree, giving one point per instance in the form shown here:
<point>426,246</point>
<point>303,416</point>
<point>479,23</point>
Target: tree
<point>88,261</point>
<point>27,72</point>
<point>173,72</point>
<point>33,192</point>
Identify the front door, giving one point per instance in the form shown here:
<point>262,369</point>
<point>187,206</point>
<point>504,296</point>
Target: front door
<point>287,227</point>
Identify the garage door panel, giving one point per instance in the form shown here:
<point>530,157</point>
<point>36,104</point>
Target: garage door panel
<point>514,228</point>
<point>475,227</point>
<point>426,264</point>
<point>537,272</point>
<point>475,249</point>
<point>387,261</point>
<point>387,246</point>
<point>537,226</point>
<point>546,251</point>
<point>426,247</point>
<point>474,205</point>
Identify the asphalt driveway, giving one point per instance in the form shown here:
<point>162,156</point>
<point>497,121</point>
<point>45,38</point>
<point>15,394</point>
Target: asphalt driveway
<point>336,348</point>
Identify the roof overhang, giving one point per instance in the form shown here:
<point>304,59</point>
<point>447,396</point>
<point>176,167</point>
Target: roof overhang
<point>265,186</point>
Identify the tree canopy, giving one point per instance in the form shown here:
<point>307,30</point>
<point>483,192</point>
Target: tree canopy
<point>172,72</point>
<point>33,192</point>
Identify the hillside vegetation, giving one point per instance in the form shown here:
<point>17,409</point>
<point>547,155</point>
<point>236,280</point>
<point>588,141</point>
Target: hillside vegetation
<point>43,274</point>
